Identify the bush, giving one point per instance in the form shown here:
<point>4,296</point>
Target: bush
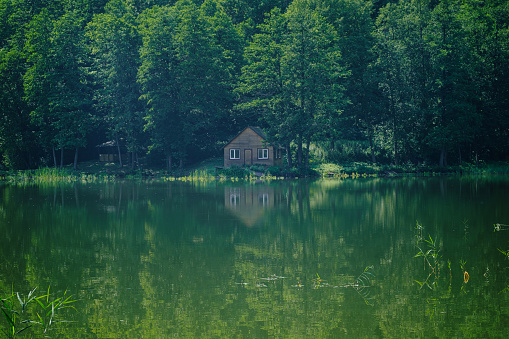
<point>329,169</point>
<point>234,171</point>
<point>275,171</point>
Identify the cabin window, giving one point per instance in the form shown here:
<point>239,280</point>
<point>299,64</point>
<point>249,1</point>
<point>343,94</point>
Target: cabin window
<point>279,153</point>
<point>263,153</point>
<point>234,153</point>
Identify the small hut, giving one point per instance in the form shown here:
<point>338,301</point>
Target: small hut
<point>250,147</point>
<point>108,152</point>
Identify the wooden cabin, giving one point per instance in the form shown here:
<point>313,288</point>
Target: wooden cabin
<point>108,152</point>
<point>250,147</point>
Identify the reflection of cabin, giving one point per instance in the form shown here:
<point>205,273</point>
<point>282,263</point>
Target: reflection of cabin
<point>108,152</point>
<point>250,147</point>
<point>250,203</point>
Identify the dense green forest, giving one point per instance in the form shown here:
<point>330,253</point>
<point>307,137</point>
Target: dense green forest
<point>410,81</point>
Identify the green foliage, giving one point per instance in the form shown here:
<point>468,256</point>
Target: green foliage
<point>431,258</point>
<point>31,314</point>
<point>293,76</point>
<point>235,172</point>
<point>405,82</point>
<point>114,42</point>
<point>348,151</point>
<point>328,169</point>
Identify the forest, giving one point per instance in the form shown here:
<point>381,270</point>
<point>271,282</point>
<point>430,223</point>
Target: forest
<point>408,81</point>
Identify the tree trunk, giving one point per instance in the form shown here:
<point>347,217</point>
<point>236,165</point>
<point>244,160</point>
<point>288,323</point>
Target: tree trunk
<point>62,157</point>
<point>443,157</point>
<point>306,159</point>
<point>168,160</point>
<point>459,155</point>
<point>54,157</point>
<point>299,151</point>
<point>396,152</point>
<point>332,144</point>
<point>372,147</point>
<point>118,150</point>
<point>76,159</point>
<point>289,155</point>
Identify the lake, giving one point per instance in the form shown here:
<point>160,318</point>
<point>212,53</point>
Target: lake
<point>353,258</point>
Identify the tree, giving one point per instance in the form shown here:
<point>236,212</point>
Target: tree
<point>186,74</point>
<point>356,41</point>
<point>454,116</point>
<point>17,137</point>
<point>293,76</point>
<point>262,81</point>
<point>115,42</point>
<point>486,27</point>
<point>56,83</point>
<point>157,76</point>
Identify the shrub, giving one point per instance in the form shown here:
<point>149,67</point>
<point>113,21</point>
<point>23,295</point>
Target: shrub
<point>234,171</point>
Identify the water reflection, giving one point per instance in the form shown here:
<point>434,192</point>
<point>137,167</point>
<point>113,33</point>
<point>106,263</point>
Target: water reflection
<point>250,203</point>
<point>286,259</point>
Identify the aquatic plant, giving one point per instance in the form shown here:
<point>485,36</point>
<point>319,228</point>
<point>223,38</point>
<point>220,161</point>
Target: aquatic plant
<point>466,276</point>
<point>505,253</point>
<point>49,175</point>
<point>21,318</point>
<point>431,258</point>
<point>500,227</point>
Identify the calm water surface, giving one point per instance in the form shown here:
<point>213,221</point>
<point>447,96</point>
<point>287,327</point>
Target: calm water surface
<point>293,259</point>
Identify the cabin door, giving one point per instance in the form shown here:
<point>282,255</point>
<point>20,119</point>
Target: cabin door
<point>248,157</point>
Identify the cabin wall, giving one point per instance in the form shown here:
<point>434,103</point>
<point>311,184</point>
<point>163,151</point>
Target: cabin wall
<point>248,140</point>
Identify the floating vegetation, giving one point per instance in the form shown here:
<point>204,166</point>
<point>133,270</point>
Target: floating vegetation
<point>361,284</point>
<point>466,276</point>
<point>487,274</point>
<point>500,227</point>
<point>203,176</point>
<point>273,277</point>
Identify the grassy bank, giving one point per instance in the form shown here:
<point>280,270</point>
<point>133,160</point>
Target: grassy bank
<point>211,169</point>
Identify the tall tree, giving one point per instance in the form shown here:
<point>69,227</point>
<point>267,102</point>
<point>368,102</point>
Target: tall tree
<point>262,83</point>
<point>158,79</point>
<point>115,42</point>
<point>354,24</point>
<point>455,119</point>
<point>56,83</point>
<point>404,67</point>
<point>294,76</point>
<point>17,138</point>
<point>186,74</point>
<point>313,66</point>
<point>486,26</point>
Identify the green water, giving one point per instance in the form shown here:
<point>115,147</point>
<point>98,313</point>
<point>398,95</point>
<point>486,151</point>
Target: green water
<point>242,260</point>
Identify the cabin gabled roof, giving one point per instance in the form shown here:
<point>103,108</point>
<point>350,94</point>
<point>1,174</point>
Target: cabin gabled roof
<point>255,129</point>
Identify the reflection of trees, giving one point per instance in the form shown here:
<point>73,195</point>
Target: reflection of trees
<point>163,260</point>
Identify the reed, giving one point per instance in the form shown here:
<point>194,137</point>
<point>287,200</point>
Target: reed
<point>48,175</point>
<point>431,258</point>
<point>31,314</point>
